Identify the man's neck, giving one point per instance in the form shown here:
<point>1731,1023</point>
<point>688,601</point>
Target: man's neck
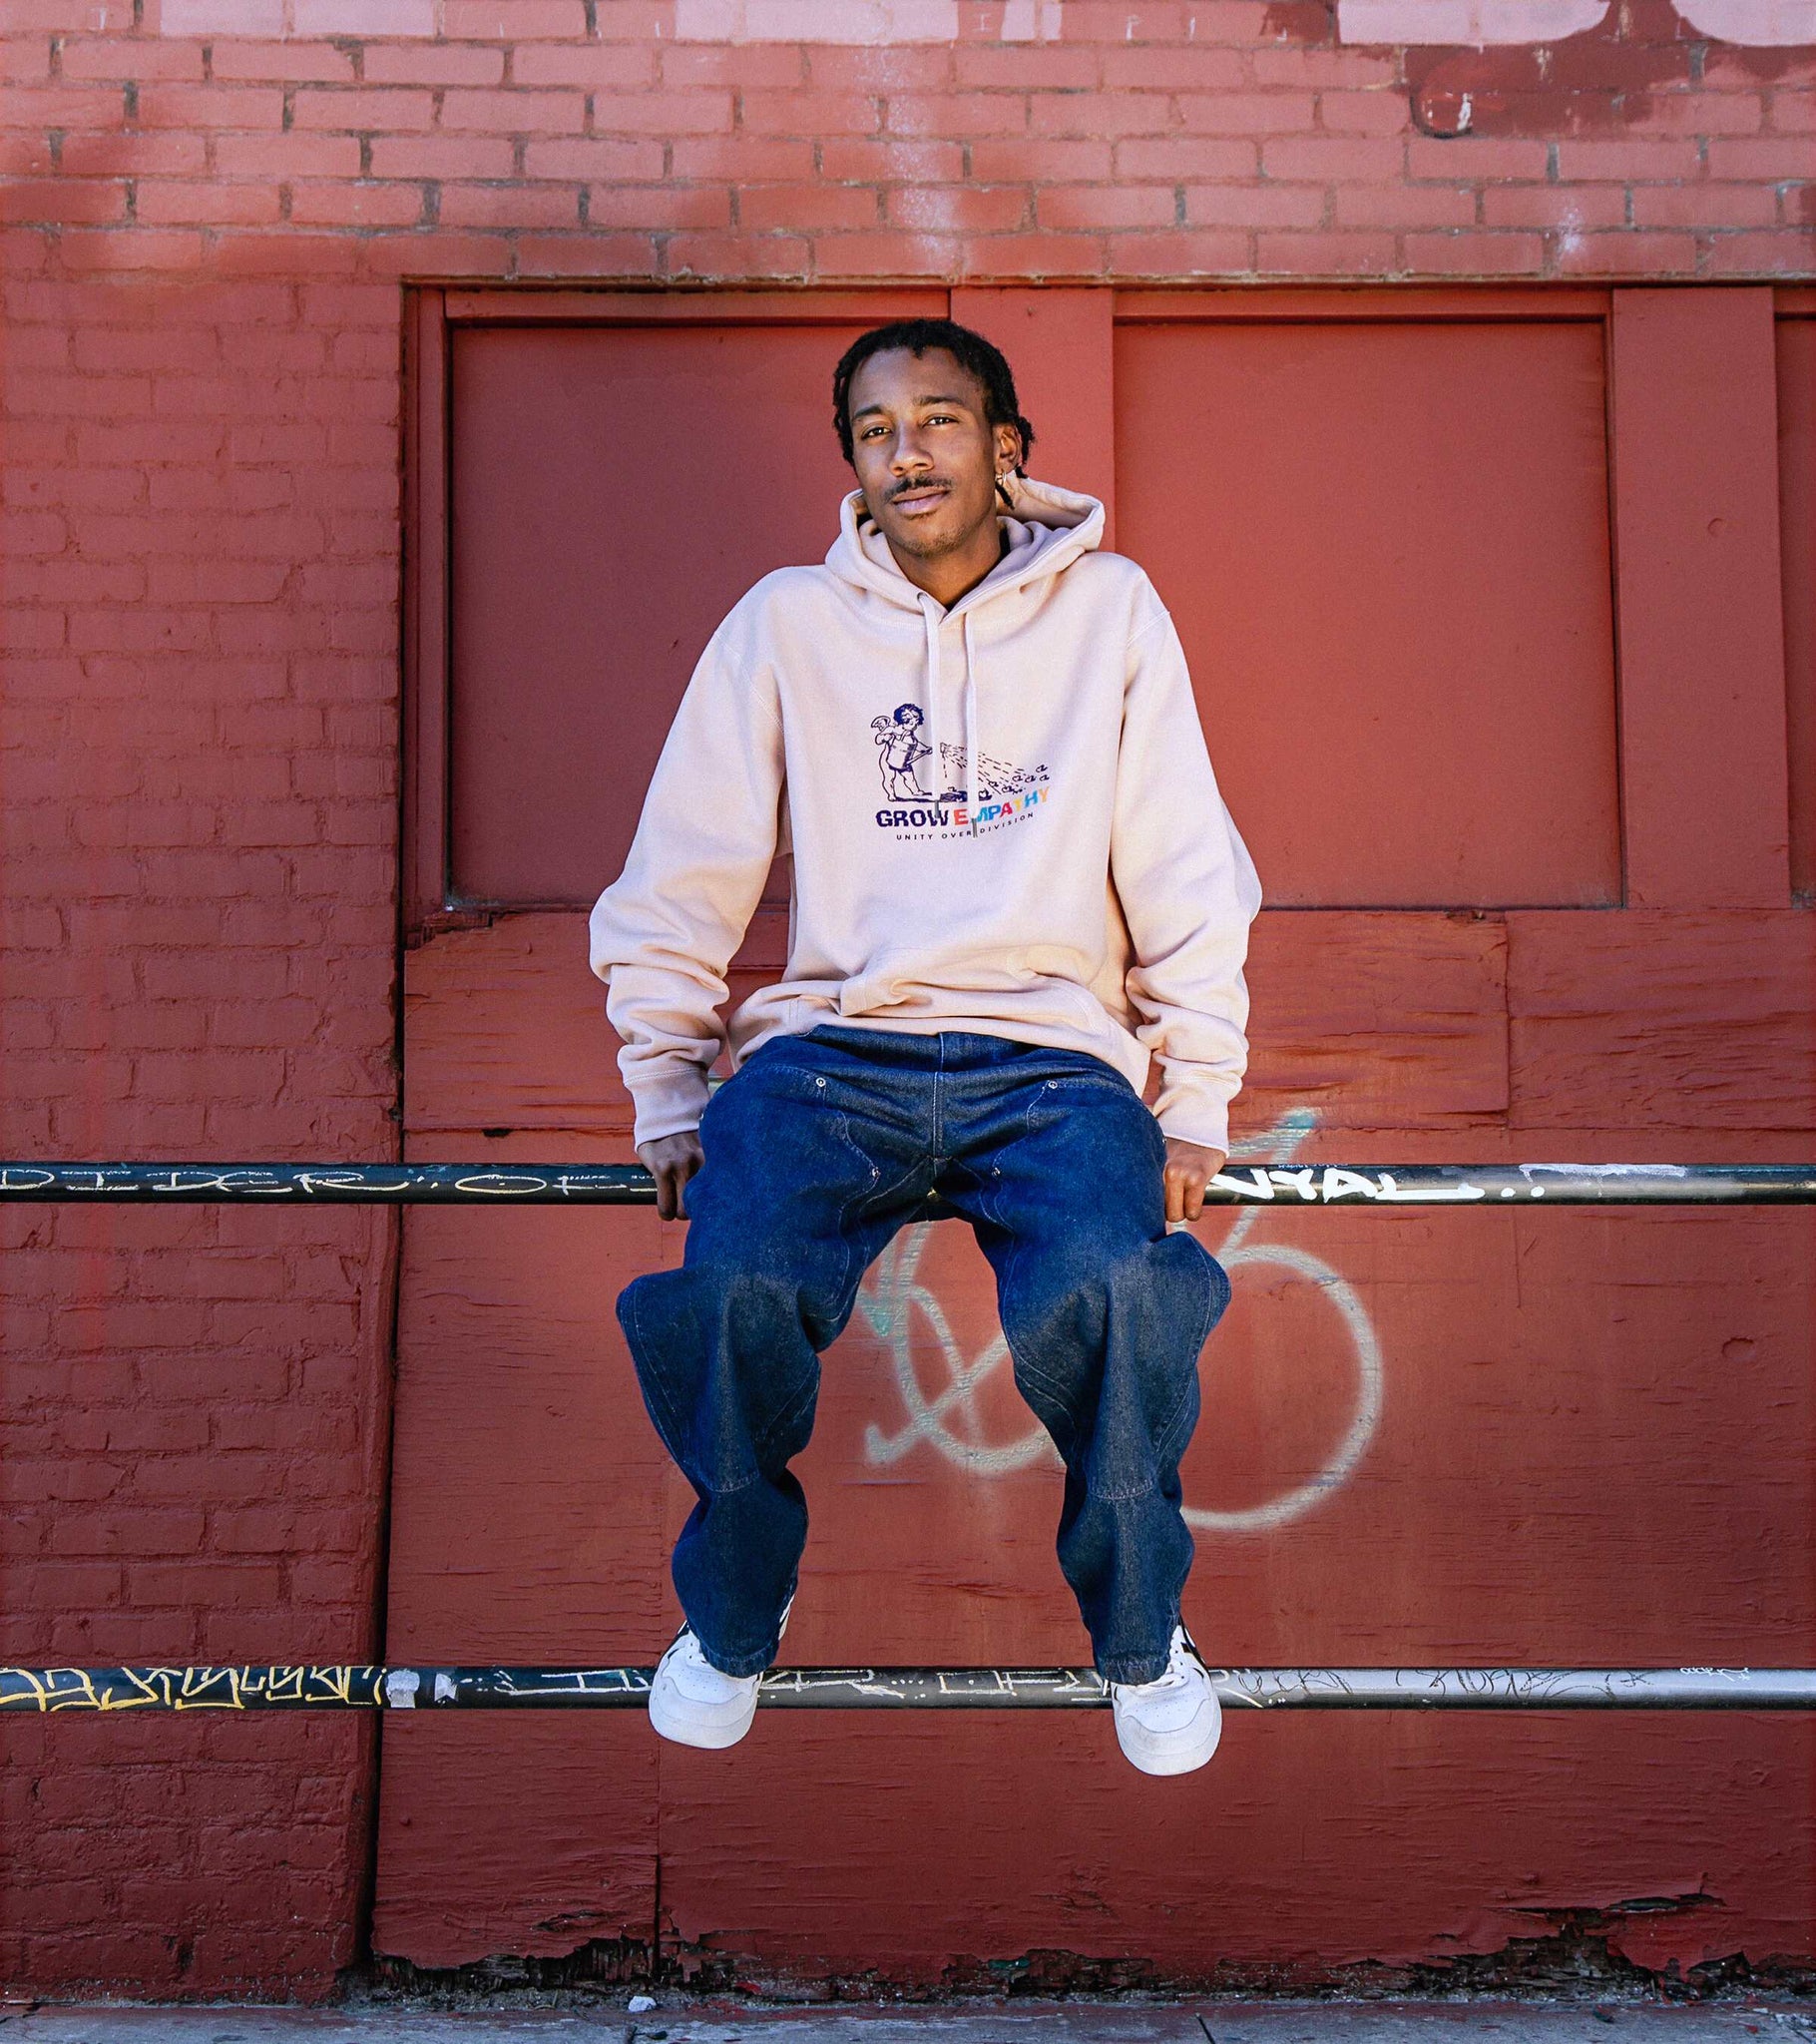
<point>957,573</point>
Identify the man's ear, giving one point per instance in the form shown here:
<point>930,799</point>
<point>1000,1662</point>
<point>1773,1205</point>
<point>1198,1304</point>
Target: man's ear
<point>1008,448</point>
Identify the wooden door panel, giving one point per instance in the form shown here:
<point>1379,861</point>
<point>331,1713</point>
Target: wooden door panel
<point>1386,548</point>
<point>1797,535</point>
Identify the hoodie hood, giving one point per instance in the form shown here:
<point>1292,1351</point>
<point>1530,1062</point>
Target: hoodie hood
<point>1047,528</point>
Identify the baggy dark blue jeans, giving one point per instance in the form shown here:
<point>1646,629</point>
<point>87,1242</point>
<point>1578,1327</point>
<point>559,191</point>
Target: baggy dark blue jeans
<point>816,1149</point>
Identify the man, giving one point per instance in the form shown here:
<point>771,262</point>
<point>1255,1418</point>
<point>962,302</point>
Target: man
<point>978,973</point>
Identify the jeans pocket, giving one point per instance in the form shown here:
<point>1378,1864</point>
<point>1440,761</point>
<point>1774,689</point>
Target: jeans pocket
<point>1105,1098</point>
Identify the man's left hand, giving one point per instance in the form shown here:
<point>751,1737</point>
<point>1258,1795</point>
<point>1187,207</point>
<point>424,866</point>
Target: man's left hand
<point>1189,1167</point>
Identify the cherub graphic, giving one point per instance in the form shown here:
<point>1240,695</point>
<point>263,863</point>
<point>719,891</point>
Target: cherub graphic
<point>900,747</point>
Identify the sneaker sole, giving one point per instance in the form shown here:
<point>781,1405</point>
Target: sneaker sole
<point>1174,1752</point>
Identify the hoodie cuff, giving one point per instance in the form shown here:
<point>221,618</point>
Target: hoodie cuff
<point>670,1098</point>
<point>1194,1113</point>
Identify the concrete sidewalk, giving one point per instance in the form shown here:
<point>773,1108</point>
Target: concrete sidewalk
<point>676,2020</point>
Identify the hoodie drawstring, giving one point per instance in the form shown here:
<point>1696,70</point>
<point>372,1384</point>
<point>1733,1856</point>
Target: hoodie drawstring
<point>939,776</point>
<point>971,724</point>
<point>928,607</point>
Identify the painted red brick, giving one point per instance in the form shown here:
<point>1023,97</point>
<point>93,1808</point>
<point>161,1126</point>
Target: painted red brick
<point>304,63</point>
<point>1147,161</point>
<point>1575,207</point>
<point>661,113</point>
<point>434,64</point>
<point>736,159</point>
<point>1704,205</point>
<point>362,109</point>
<point>84,58</point>
<point>747,65</point>
<point>1254,113</point>
<point>885,254</point>
<point>1780,254</point>
<point>1432,205</point>
<point>514,113</point>
<point>1633,254</point>
<point>1066,207</point>
<point>1490,158</point>
<point>959,209</point>
<point>1380,112</point>
<point>1255,205</point>
<point>902,68</point>
<point>1473,254</point>
<point>1041,162</point>
<point>599,64</point>
<point>485,206</point>
<point>1771,157</point>
<point>1194,68</point>
<point>766,206</point>
<point>1338,159</point>
<point>1022,69</point>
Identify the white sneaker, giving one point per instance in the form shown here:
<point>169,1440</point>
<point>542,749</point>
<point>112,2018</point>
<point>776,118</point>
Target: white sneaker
<point>1171,1725</point>
<point>696,1703</point>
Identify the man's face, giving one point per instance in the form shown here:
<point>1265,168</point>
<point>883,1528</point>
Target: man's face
<point>926,457</point>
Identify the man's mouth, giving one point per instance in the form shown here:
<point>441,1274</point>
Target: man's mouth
<point>919,498</point>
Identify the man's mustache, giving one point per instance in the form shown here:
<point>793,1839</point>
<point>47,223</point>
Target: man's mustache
<point>920,482</point>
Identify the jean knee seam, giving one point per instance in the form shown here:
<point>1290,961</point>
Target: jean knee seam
<point>1171,1438</point>
<point>1168,1440</point>
<point>1025,1373</point>
<point>799,1392</point>
<point>649,1376</point>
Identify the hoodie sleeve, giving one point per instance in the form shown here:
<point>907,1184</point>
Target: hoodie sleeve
<point>1188,891</point>
<point>664,933</point>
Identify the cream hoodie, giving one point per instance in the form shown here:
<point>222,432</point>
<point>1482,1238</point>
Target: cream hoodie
<point>1084,887</point>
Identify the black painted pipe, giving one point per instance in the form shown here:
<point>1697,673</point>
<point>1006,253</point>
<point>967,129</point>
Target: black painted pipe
<point>321,1687</point>
<point>629,1185</point>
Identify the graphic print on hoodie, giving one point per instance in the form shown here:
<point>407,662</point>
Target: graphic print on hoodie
<point>1090,891</point>
<point>1003,791</point>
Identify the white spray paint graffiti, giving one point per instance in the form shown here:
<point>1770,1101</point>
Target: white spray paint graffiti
<point>894,1297</point>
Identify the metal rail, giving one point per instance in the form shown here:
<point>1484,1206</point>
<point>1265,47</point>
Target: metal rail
<point>279,1688</point>
<point>629,1185</point>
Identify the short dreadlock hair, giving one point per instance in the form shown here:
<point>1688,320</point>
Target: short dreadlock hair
<point>971,350</point>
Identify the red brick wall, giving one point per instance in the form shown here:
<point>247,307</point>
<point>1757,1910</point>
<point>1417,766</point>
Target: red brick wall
<point>1187,138</point>
<point>204,239</point>
<point>200,854</point>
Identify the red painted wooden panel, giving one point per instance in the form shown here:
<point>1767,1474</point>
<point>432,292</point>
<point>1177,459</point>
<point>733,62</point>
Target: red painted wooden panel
<point>614,491</point>
<point>1650,1020</point>
<point>1568,1437</point>
<point>1702,745</point>
<point>1386,547</point>
<point>1004,1847</point>
<point>1060,346</point>
<point>529,1502</point>
<point>1797,529</point>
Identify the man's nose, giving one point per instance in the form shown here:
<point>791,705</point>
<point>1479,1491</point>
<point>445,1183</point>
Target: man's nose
<point>908,453</point>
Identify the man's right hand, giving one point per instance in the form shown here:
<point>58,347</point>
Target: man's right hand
<point>671,1160</point>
